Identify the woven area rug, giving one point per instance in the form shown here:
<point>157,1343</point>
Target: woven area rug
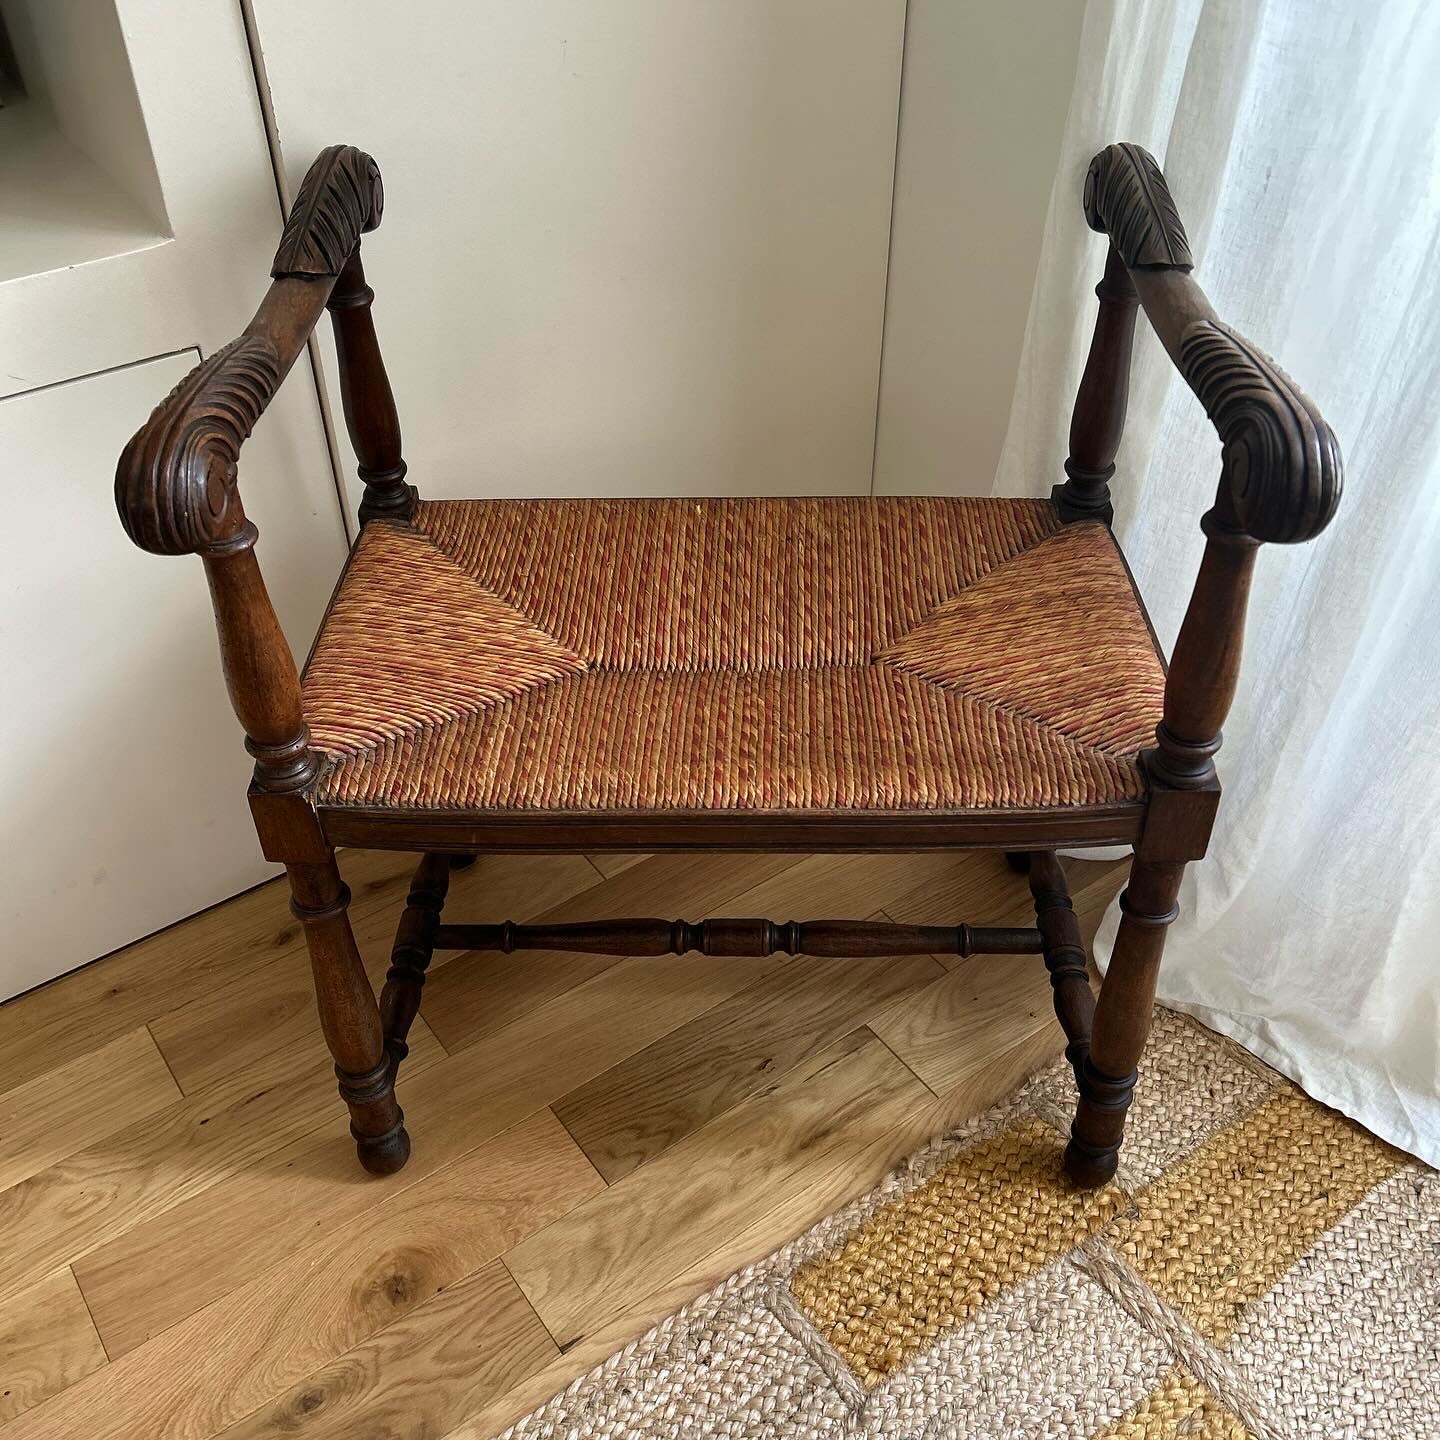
<point>1261,1268</point>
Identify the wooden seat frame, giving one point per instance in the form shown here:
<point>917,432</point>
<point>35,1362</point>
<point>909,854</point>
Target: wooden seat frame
<point>1280,480</point>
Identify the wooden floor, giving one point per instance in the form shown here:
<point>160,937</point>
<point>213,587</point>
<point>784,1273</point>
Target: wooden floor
<point>188,1248</point>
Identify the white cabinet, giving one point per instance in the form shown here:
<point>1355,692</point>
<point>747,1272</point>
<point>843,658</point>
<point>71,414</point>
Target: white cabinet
<point>123,779</point>
<point>627,248</point>
<point>987,88</point>
<point>121,768</point>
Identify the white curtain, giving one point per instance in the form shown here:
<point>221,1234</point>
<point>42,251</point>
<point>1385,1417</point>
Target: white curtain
<point>1302,143</point>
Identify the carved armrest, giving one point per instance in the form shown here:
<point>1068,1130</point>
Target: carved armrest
<point>175,486</point>
<point>1281,469</point>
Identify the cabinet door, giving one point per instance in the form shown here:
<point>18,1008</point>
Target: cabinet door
<point>120,762</point>
<point>627,248</point>
<point>121,767</point>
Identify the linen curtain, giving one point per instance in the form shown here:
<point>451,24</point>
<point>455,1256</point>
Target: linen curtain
<point>1302,143</point>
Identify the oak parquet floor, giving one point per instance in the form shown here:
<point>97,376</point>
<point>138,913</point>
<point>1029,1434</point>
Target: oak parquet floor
<point>191,1251</point>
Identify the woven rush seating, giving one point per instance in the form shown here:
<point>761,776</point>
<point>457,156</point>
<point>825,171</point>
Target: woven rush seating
<point>733,654</point>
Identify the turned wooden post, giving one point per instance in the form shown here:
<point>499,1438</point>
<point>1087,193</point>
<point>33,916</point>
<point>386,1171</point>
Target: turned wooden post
<point>1107,1074</point>
<point>1280,481</point>
<point>1064,953</point>
<point>340,199</point>
<point>370,415</point>
<point>1205,665</point>
<point>410,957</point>
<point>349,1017</point>
<point>1098,420</point>
<point>260,673</point>
<point>735,935</point>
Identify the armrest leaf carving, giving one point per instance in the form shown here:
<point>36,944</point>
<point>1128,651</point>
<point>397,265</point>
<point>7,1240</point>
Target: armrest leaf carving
<point>1127,198</point>
<point>1281,464</point>
<point>340,199</point>
<point>175,483</point>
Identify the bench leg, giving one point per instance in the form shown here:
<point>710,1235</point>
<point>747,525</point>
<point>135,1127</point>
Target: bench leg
<point>349,1017</point>
<point>412,952</point>
<point>1122,1022</point>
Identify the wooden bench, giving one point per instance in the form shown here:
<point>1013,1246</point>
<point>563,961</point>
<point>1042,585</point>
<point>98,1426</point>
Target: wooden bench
<point>760,674</point>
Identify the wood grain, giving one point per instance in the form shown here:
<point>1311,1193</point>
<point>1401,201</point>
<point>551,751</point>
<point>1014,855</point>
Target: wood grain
<point>83,1010</point>
<point>857,1168</point>
<point>464,1006</point>
<point>611,862</point>
<point>346,1285</point>
<point>197,1251</point>
<point>420,1375</point>
<point>584,1270</point>
<point>671,1088</point>
<point>978,885</point>
<point>134,1176</point>
<point>977,1032</point>
<point>47,1342</point>
<point>172,1219</point>
<point>81,1102</point>
<point>272,1007</point>
<point>853,885</point>
<point>236,941</point>
<point>990,1023</point>
<point>245,1023</point>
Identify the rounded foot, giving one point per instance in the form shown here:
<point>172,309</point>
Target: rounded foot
<point>1089,1167</point>
<point>1018,861</point>
<point>384,1154</point>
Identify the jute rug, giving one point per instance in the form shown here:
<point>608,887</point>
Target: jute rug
<point>1261,1268</point>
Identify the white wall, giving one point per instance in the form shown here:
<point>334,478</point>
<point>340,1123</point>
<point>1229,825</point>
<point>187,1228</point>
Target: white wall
<point>986,90</point>
<point>628,248</point>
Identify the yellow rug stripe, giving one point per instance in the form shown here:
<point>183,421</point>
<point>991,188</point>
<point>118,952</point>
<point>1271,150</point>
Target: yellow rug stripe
<point>994,1214</point>
<point>1218,1230</point>
<point>1179,1408</point>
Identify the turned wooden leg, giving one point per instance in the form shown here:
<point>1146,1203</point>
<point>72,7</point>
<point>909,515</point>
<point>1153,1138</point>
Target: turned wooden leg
<point>1018,861</point>
<point>410,957</point>
<point>1065,956</point>
<point>349,1017</point>
<point>1107,1074</point>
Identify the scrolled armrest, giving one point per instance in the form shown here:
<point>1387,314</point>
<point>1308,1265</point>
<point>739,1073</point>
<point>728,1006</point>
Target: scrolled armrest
<point>1281,474</point>
<point>1281,469</point>
<point>175,485</point>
